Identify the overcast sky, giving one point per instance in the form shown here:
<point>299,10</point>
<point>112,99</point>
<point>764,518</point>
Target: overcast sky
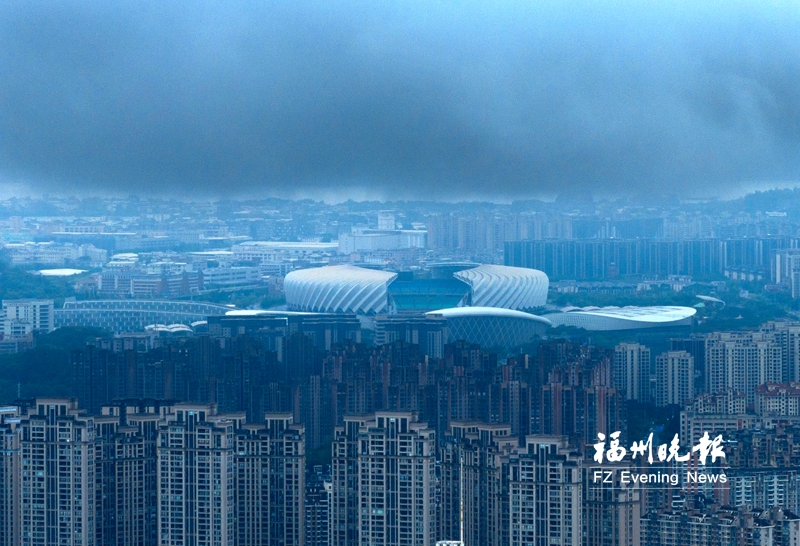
<point>486,99</point>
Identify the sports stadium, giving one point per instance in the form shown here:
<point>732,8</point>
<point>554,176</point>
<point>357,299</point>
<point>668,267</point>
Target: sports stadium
<point>485,304</point>
<point>488,304</point>
<point>362,291</point>
<point>492,327</point>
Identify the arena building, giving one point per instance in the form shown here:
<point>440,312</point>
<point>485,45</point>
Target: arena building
<point>351,289</point>
<point>623,318</point>
<point>491,326</point>
<point>119,316</point>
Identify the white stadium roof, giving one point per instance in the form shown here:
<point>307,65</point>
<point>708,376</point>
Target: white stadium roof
<point>264,312</point>
<point>491,326</point>
<point>624,318</point>
<point>459,312</point>
<point>171,328</point>
<point>711,299</point>
<point>284,245</point>
<point>351,289</point>
<point>60,272</point>
<point>338,289</point>
<point>507,287</point>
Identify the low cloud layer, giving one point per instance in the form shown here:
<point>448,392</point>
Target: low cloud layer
<point>424,99</point>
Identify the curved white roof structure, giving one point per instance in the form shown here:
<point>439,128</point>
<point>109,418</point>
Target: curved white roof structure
<point>351,289</point>
<point>60,272</point>
<point>492,326</point>
<point>265,313</point>
<point>624,318</point>
<point>338,289</point>
<point>169,328</point>
<point>461,312</point>
<point>711,299</point>
<point>507,287</point>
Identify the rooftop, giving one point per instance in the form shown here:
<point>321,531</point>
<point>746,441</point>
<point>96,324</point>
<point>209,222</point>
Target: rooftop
<point>640,314</point>
<point>458,312</point>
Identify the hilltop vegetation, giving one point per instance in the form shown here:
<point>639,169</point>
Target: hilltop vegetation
<point>16,283</point>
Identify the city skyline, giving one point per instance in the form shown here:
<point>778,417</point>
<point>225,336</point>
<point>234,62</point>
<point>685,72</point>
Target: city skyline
<point>289,372</point>
<point>399,273</point>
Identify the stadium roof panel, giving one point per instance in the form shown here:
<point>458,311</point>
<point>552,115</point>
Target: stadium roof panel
<point>338,289</point>
<point>458,312</point>
<point>507,287</point>
<point>351,289</point>
<point>492,326</point>
<point>624,318</point>
<point>664,313</point>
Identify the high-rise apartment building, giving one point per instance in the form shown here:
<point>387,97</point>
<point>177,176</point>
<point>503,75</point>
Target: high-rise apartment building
<point>579,404</point>
<point>317,506</point>
<point>345,502</point>
<point>384,481</point>
<point>471,482</point>
<point>696,346</point>
<point>675,378</point>
<point>502,492</point>
<point>127,475</point>
<point>602,258</point>
<point>730,402</point>
<point>149,473</point>
<point>196,477</point>
<point>56,472</point>
<point>779,399</point>
<point>721,525</point>
<point>9,475</point>
<point>742,361</point>
<point>544,484</point>
<point>429,332</point>
<point>632,371</point>
<point>611,506</point>
<point>788,335</point>
<point>270,482</point>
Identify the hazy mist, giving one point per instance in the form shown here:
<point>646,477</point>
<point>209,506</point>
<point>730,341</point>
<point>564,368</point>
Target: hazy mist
<point>494,100</point>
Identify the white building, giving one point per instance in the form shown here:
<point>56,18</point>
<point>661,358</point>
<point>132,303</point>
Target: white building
<point>386,220</point>
<point>372,240</point>
<point>778,399</point>
<point>49,253</point>
<point>22,317</point>
<point>491,326</point>
<point>261,252</point>
<point>368,241</point>
<point>231,276</point>
<point>624,318</point>
<point>788,335</point>
<point>730,402</point>
<point>786,269</point>
<point>338,289</point>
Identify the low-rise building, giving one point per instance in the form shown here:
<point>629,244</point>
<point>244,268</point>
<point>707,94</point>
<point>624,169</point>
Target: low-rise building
<point>778,399</point>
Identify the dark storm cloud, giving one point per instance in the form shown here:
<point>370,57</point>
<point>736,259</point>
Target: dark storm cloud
<point>498,99</point>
